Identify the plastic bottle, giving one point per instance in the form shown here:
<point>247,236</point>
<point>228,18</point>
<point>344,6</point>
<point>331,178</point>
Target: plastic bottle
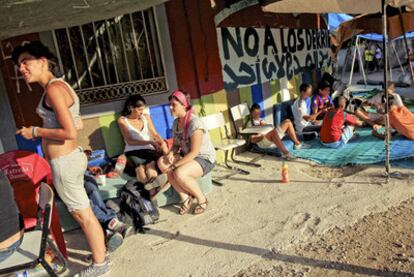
<point>285,172</point>
<point>120,164</point>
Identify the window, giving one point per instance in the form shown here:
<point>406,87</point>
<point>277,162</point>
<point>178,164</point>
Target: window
<point>111,59</point>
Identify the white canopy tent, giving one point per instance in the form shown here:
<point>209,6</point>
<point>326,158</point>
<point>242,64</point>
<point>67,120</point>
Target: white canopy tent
<point>332,6</point>
<point>351,7</point>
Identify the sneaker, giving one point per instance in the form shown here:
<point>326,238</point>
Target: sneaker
<point>302,146</point>
<point>114,242</point>
<point>88,258</point>
<point>95,270</point>
<point>288,157</point>
<point>117,226</point>
<point>157,182</point>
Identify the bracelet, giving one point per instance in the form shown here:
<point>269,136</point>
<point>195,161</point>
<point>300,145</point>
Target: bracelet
<point>173,167</point>
<point>34,132</point>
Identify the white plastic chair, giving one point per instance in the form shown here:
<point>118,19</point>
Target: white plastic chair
<point>226,144</point>
<point>239,113</point>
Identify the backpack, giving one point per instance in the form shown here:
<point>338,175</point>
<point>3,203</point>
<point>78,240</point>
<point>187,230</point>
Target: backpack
<point>136,209</point>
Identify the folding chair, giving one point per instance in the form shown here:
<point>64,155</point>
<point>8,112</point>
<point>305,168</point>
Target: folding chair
<point>25,171</point>
<point>32,250</point>
<point>216,121</point>
<point>239,113</point>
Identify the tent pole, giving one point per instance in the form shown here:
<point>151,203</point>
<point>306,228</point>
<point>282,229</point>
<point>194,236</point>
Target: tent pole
<point>353,61</point>
<point>361,65</point>
<point>348,53</point>
<point>407,49</point>
<point>398,58</point>
<point>387,127</point>
<point>390,77</point>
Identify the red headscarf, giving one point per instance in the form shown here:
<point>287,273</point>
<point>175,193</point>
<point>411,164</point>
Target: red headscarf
<point>180,96</point>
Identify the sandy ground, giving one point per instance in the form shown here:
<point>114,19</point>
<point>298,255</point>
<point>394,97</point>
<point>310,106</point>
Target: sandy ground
<point>252,217</point>
<point>377,245</point>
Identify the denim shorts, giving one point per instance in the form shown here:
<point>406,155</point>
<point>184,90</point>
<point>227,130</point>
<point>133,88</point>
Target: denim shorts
<point>206,165</point>
<point>347,134</point>
<point>7,252</point>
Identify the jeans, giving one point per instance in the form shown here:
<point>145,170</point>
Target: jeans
<point>7,252</point>
<point>102,213</point>
<point>347,134</point>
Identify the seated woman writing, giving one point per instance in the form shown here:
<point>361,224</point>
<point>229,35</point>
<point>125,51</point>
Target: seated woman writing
<point>274,138</point>
<point>143,145</point>
<point>192,143</point>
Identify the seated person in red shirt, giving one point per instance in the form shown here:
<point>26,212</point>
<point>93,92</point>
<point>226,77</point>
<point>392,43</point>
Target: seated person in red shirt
<point>338,126</point>
<point>11,222</point>
<point>321,101</point>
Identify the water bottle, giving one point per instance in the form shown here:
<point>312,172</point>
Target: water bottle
<point>120,164</point>
<point>285,172</point>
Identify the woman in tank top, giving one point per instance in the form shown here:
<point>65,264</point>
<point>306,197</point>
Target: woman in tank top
<point>143,145</point>
<point>59,109</point>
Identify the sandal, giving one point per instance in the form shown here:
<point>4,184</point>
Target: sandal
<point>185,205</point>
<point>201,207</point>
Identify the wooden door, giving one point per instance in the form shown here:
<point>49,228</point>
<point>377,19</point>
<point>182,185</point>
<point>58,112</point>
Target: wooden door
<point>23,97</point>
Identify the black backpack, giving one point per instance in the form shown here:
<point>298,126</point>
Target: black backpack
<point>137,209</point>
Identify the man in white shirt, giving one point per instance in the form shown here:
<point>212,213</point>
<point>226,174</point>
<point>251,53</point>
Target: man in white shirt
<point>304,122</point>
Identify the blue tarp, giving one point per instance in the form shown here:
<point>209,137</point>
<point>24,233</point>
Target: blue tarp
<point>364,150</point>
<point>335,19</point>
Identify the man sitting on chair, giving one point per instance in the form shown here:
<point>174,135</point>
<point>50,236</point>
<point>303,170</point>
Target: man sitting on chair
<point>11,222</point>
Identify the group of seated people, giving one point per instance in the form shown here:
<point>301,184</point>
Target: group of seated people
<point>155,165</point>
<point>192,155</point>
<point>317,112</point>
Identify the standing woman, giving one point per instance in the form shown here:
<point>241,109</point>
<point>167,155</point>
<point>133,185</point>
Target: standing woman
<point>192,142</point>
<point>143,145</point>
<point>59,109</point>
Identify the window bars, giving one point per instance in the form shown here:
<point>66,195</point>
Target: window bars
<point>112,59</point>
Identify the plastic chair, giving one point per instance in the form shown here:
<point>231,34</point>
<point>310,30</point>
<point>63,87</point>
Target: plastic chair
<point>25,171</point>
<point>238,115</point>
<point>216,121</point>
<point>32,250</point>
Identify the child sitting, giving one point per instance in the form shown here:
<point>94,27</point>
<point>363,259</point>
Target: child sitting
<point>321,101</point>
<point>303,121</point>
<point>338,126</point>
<point>274,138</point>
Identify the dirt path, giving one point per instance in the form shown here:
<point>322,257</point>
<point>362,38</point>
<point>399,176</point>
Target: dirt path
<point>380,244</point>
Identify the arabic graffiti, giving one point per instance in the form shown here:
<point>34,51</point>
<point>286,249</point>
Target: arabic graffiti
<point>254,55</point>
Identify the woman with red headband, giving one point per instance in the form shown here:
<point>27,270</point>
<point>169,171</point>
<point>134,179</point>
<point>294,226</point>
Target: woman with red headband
<point>192,141</point>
